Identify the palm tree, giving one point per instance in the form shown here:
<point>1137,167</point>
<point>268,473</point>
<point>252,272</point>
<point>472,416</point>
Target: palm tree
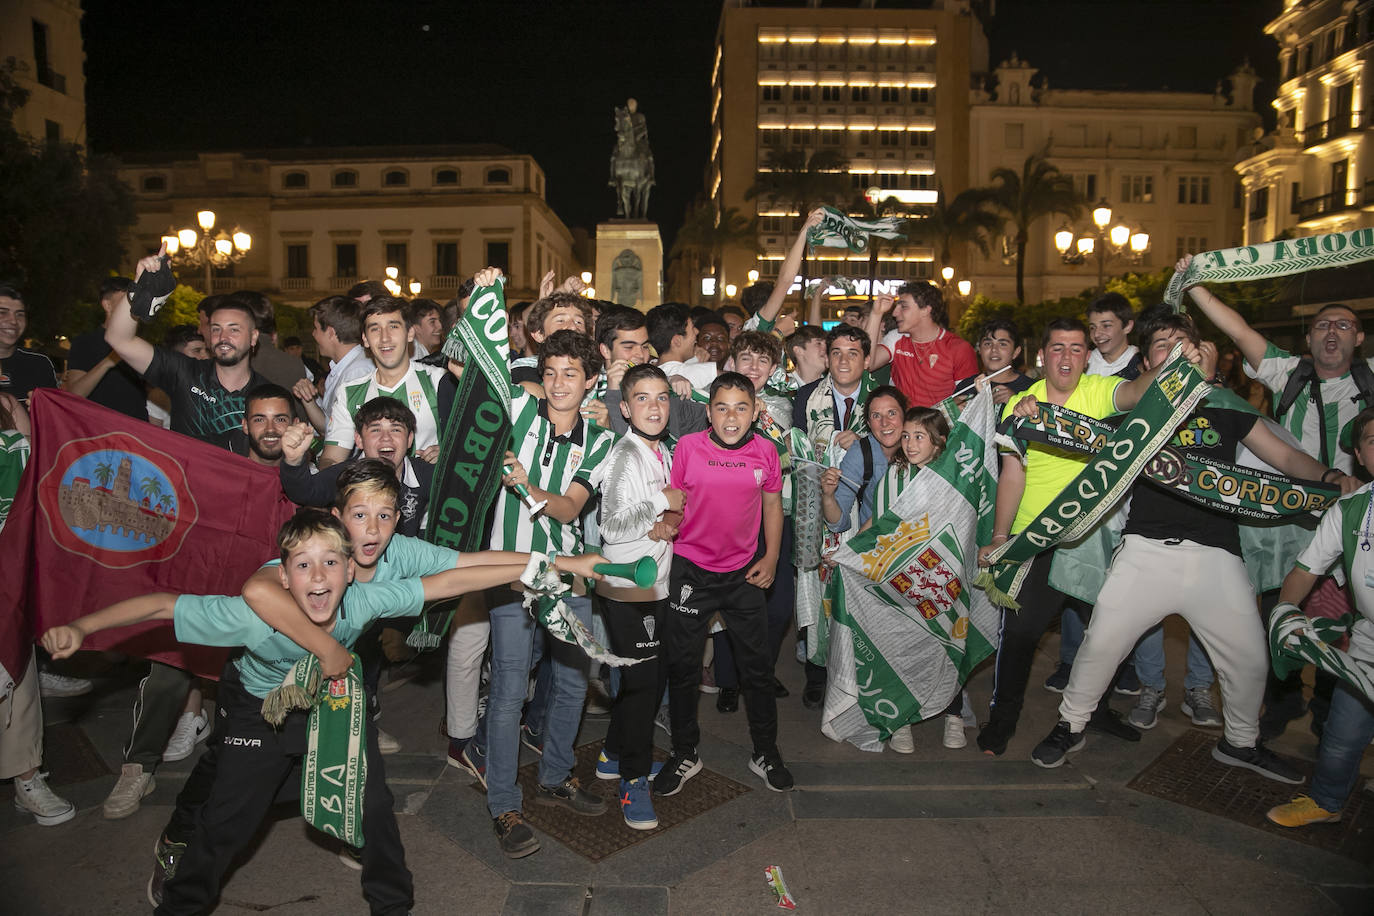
<point>150,487</point>
<point>104,473</point>
<point>795,181</point>
<point>1038,190</point>
<point>971,218</point>
<point>704,238</point>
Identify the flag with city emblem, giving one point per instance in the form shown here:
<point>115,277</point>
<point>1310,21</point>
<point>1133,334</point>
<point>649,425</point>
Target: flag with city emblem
<point>906,625</point>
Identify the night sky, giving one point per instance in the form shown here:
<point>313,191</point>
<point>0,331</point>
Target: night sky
<point>543,77</point>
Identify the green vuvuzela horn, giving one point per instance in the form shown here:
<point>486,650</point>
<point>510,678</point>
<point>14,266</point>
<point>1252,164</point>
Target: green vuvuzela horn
<point>641,572</point>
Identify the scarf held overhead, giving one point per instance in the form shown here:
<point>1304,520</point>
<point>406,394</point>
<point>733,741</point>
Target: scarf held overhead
<point>836,230</point>
<point>1272,259</point>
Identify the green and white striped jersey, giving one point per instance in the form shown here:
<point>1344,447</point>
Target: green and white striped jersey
<point>553,463</point>
<point>1340,403</point>
<point>418,390</point>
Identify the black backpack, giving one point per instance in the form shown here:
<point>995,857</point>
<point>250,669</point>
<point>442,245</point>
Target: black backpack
<point>1305,375</point>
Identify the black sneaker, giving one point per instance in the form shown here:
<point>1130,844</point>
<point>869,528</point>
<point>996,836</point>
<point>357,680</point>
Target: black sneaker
<point>1259,759</point>
<point>773,772</point>
<point>779,690</point>
<point>515,836</point>
<point>570,794</point>
<point>1128,684</point>
<point>727,700</point>
<point>166,855</point>
<point>1060,743</point>
<point>1110,722</point>
<point>813,695</point>
<point>675,772</point>
<point>993,738</point>
<point>1059,678</point>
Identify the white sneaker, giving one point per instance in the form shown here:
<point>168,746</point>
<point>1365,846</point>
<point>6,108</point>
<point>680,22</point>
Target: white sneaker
<point>128,793</point>
<point>901,741</point>
<point>59,685</point>
<point>192,728</point>
<point>954,732</point>
<point>387,743</point>
<point>350,857</point>
<point>34,796</point>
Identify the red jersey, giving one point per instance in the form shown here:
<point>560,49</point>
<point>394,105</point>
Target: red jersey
<point>928,372</point>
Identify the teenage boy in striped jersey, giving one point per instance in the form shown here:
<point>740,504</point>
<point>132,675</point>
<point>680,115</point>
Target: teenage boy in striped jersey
<point>556,454</point>
<point>426,390</point>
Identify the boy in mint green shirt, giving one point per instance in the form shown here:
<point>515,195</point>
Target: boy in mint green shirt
<point>248,761</point>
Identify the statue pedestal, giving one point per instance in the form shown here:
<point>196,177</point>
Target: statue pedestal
<point>641,237</point>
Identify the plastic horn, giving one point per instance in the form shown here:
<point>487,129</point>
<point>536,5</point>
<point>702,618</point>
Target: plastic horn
<point>641,572</point>
<point>523,492</point>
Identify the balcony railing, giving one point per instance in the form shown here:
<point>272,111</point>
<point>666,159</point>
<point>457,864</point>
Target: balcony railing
<point>444,281</point>
<point>297,283</point>
<point>229,284</point>
<point>344,283</point>
<point>1336,201</point>
<point>1338,126</point>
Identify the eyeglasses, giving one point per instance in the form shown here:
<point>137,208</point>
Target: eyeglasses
<point>1340,324</point>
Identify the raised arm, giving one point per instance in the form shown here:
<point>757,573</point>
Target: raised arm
<point>791,265</point>
<point>81,382</point>
<point>878,354</point>
<point>1278,454</point>
<point>121,331</point>
<point>1129,393</point>
<point>463,579</point>
<point>64,640</point>
<point>1250,342</point>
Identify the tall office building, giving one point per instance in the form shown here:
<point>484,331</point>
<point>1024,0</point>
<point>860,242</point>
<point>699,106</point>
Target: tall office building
<point>888,89</point>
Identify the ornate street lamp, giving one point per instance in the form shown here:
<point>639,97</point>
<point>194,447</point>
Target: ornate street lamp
<point>207,249</point>
<point>1120,241</point>
<point>394,283</point>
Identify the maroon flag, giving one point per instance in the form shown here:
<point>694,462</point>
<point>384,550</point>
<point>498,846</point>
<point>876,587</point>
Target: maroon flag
<point>109,508</point>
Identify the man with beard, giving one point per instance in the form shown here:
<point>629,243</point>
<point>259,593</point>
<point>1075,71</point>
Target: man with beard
<point>265,418</point>
<point>208,396</point>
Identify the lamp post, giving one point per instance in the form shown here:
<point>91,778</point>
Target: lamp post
<point>1118,241</point>
<point>394,283</point>
<point>208,249</point>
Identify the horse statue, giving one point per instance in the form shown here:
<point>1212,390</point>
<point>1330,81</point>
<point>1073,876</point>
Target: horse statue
<point>632,163</point>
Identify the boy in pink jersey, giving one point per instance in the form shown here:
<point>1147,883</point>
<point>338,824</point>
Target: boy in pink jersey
<point>731,482</point>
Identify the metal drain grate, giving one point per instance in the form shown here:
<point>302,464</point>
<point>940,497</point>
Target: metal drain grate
<point>1187,775</point>
<point>597,838</point>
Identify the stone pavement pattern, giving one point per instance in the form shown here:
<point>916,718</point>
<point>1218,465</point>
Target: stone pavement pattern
<point>939,831</point>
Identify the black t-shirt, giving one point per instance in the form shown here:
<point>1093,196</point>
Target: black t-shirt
<point>25,371</point>
<point>201,406</point>
<point>1159,513</point>
<point>121,388</point>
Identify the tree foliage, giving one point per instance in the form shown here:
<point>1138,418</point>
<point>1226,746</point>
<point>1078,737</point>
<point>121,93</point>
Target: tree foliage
<point>61,217</point>
<point>1024,197</point>
<point>703,240</point>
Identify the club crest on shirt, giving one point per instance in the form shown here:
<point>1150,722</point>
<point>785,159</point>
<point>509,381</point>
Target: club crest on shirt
<point>117,501</point>
<point>648,622</point>
<point>758,477</point>
<point>685,594</point>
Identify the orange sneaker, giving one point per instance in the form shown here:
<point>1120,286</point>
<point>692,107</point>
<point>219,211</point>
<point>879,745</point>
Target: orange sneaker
<point>1300,812</point>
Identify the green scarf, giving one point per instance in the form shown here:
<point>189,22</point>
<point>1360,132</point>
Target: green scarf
<point>1221,485</point>
<point>1296,640</point>
<point>1104,480</point>
<point>1272,259</point>
<point>334,771</point>
<point>836,230</point>
<point>467,477</point>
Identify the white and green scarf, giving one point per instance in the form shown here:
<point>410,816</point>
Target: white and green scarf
<point>334,771</point>
<point>836,230</point>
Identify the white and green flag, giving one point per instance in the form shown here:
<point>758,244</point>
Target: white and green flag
<point>907,626</point>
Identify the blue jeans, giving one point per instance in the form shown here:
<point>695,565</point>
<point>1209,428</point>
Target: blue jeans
<point>513,633</point>
<point>1349,728</point>
<point>1149,662</point>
